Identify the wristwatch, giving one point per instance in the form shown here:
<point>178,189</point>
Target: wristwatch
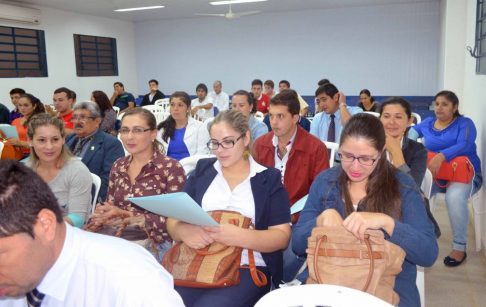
<point>342,104</point>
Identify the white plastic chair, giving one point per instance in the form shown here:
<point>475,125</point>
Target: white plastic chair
<point>420,282</point>
<point>319,295</point>
<point>333,147</point>
<point>208,121</point>
<point>259,115</point>
<point>189,163</point>
<point>161,116</point>
<point>427,184</point>
<point>1,148</point>
<point>154,109</point>
<point>164,103</point>
<point>417,117</point>
<point>476,214</point>
<point>97,184</point>
<point>373,113</point>
<point>117,110</point>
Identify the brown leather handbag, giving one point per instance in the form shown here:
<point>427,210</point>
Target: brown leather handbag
<point>10,151</point>
<point>336,257</point>
<point>214,266</point>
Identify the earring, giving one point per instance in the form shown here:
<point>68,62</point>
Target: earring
<point>246,154</point>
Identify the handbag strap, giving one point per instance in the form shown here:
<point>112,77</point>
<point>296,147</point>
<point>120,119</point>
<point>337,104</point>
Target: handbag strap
<point>235,222</point>
<point>258,277</point>
<point>454,167</point>
<point>370,254</point>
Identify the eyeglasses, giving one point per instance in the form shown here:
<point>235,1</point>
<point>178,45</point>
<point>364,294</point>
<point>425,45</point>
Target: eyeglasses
<point>82,118</point>
<point>136,131</point>
<point>227,144</point>
<point>366,161</point>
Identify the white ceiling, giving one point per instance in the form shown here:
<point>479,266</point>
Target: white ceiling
<point>176,9</point>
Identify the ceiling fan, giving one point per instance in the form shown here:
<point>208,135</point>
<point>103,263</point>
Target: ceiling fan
<point>230,14</point>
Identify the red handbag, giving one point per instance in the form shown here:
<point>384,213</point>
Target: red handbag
<point>460,169</point>
<point>10,151</point>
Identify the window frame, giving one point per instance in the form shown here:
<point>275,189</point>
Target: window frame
<point>480,37</point>
<point>82,61</point>
<point>41,71</point>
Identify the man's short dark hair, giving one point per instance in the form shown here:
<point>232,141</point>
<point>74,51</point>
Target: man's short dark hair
<point>73,95</point>
<point>119,83</point>
<point>323,82</point>
<point>328,88</point>
<point>154,81</point>
<point>257,82</point>
<point>285,82</point>
<point>17,91</point>
<point>270,83</point>
<point>287,98</point>
<point>68,92</point>
<point>202,86</point>
<point>23,194</point>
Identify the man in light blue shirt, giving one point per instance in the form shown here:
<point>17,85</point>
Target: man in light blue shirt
<point>328,124</point>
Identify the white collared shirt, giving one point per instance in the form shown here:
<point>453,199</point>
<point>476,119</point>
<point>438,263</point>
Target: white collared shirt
<point>203,113</point>
<point>100,270</point>
<point>281,164</point>
<point>220,197</point>
<point>221,100</point>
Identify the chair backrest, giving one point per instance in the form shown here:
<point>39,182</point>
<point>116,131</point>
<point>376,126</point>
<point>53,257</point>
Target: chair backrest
<point>417,117</point>
<point>259,115</point>
<point>1,148</point>
<point>97,184</point>
<point>164,103</point>
<point>427,183</point>
<point>117,110</point>
<point>160,117</point>
<point>154,109</point>
<point>189,163</point>
<point>333,148</point>
<point>373,113</point>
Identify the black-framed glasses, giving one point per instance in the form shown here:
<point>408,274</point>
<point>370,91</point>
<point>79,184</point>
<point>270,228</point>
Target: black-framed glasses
<point>81,118</point>
<point>136,131</point>
<point>366,161</point>
<point>226,144</point>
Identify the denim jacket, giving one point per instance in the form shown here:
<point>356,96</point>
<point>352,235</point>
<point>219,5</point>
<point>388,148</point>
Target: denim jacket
<point>415,233</point>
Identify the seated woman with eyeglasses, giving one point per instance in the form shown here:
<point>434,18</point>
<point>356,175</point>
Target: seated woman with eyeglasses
<point>145,172</point>
<point>367,192</point>
<point>68,178</point>
<point>234,181</point>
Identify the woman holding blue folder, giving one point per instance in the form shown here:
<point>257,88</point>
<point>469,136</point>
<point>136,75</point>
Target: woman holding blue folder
<point>235,182</point>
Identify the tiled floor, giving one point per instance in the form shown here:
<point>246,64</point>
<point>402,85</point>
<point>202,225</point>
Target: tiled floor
<point>464,285</point>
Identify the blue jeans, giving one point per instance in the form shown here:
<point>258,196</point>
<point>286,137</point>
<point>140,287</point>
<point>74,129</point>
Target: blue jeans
<point>244,294</point>
<point>292,264</point>
<point>456,197</point>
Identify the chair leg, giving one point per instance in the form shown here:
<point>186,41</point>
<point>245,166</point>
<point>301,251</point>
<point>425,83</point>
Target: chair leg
<point>477,224</point>
<point>432,204</point>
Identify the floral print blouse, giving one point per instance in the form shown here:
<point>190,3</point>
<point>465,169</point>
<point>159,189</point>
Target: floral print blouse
<point>161,175</point>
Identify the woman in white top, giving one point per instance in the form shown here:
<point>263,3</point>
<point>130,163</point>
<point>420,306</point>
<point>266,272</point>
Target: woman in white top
<point>235,182</point>
<point>69,179</point>
<point>181,135</point>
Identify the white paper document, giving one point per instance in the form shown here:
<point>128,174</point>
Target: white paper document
<point>299,205</point>
<point>179,206</point>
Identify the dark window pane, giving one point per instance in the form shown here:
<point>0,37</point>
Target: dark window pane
<point>86,59</point>
<point>108,73</point>
<point>85,52</point>
<point>88,46</point>
<point>6,48</point>
<point>7,56</point>
<point>25,40</point>
<point>28,57</point>
<point>5,30</point>
<point>25,32</point>
<point>6,39</point>
<point>30,73</point>
<point>106,40</point>
<point>95,56</point>
<point>105,60</point>
<point>104,47</point>
<point>483,28</point>
<point>105,53</point>
<point>7,65</point>
<point>29,65</point>
<point>106,66</point>
<point>31,49</point>
<point>8,73</point>
<point>90,66</point>
<point>88,38</point>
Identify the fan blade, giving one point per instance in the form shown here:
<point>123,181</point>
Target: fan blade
<point>246,13</point>
<point>216,15</point>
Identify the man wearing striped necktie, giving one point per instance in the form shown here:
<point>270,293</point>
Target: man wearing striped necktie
<point>46,262</point>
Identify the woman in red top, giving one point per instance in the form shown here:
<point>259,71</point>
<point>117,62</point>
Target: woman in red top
<point>28,106</point>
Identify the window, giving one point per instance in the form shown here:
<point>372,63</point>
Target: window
<point>22,53</point>
<point>95,56</point>
<point>481,38</point>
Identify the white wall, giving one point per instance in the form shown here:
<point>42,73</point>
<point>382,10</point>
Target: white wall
<point>390,49</point>
<point>459,75</point>
<point>59,27</point>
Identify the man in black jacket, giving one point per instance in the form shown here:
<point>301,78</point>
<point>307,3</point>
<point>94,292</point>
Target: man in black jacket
<point>154,94</point>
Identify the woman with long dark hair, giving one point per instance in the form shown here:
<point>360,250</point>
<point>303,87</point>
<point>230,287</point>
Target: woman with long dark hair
<point>182,135</point>
<point>367,192</point>
<point>449,134</point>
<point>28,106</point>
<point>108,114</point>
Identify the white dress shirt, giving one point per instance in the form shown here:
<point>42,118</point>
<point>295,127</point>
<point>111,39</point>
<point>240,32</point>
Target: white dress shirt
<point>203,113</point>
<point>221,100</point>
<point>220,197</point>
<point>100,270</point>
<point>281,164</point>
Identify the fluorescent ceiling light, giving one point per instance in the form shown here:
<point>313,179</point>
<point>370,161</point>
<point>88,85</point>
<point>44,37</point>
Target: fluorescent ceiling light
<point>140,8</point>
<point>234,2</point>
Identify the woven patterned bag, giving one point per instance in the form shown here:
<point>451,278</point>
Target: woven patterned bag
<point>214,266</point>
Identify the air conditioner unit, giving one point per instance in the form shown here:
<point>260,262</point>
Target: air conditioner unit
<point>12,13</point>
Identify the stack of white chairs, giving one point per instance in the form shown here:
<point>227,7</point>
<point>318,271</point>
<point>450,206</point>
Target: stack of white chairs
<point>160,117</point>
<point>189,163</point>
<point>97,184</point>
<point>117,110</point>
<point>333,147</point>
<point>373,113</point>
<point>164,103</point>
<point>259,115</point>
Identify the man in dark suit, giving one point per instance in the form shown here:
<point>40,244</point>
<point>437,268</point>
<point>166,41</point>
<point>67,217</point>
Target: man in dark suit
<point>154,94</point>
<point>97,149</point>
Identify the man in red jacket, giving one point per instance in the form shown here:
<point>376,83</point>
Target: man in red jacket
<point>298,155</point>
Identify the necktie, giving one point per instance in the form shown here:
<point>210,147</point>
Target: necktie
<point>34,298</point>
<point>331,132</point>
